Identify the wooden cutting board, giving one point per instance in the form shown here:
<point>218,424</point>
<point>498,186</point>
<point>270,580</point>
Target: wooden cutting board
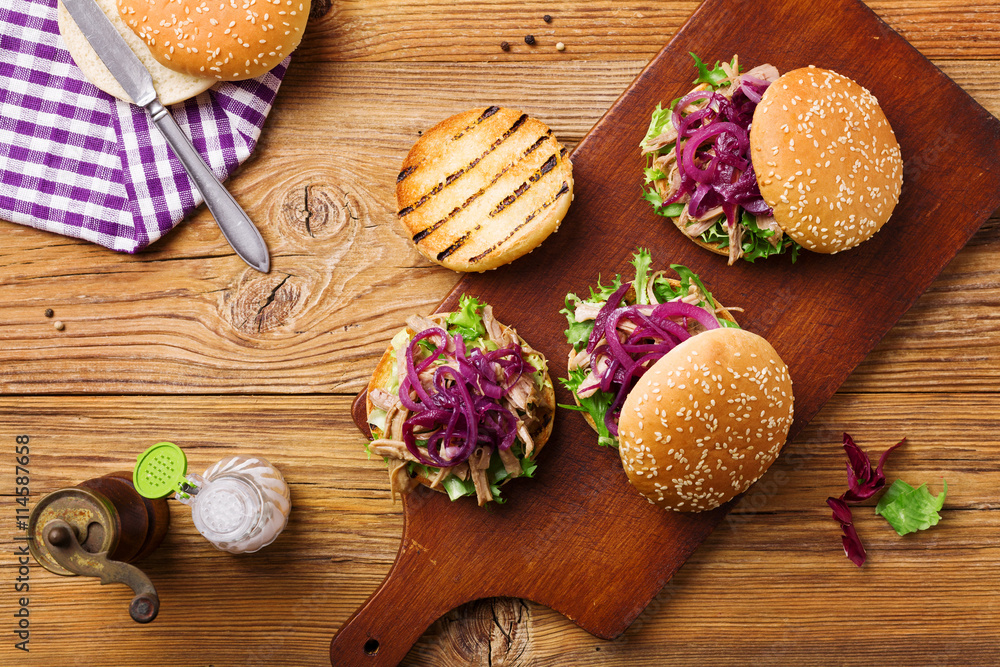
<point>577,538</point>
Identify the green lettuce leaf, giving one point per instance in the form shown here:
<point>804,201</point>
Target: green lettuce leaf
<point>657,124</point>
<point>579,332</point>
<point>595,405</point>
<point>713,77</point>
<point>457,488</point>
<point>755,240</point>
<point>654,174</point>
<point>641,261</point>
<point>909,509</point>
<point>467,320</point>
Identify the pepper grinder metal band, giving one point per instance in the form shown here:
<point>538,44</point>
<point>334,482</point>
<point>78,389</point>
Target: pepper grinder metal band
<point>97,529</point>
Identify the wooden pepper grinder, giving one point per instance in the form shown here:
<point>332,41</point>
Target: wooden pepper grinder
<point>96,529</point>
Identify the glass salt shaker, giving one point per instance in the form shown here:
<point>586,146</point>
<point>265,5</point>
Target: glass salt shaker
<point>240,504</point>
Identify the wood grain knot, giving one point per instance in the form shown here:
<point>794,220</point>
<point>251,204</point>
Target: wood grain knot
<point>491,632</point>
<point>319,9</point>
<point>263,303</point>
<point>317,210</point>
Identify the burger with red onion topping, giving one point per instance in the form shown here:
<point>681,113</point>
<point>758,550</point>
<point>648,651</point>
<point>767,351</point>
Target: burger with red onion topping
<point>697,407</point>
<point>460,403</point>
<point>754,164</point>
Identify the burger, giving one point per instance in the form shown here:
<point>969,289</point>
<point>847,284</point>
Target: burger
<point>697,407</point>
<point>755,164</point>
<point>460,403</point>
<point>189,46</point>
<point>483,188</point>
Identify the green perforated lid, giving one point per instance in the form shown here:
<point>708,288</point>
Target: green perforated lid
<point>160,470</point>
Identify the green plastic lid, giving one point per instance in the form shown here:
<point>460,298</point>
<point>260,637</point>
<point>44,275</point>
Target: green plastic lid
<point>160,471</point>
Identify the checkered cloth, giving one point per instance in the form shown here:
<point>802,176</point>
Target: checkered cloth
<point>76,161</point>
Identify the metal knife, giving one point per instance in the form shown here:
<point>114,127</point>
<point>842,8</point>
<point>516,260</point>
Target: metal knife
<point>115,53</point>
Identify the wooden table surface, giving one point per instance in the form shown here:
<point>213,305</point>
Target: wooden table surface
<point>185,343</point>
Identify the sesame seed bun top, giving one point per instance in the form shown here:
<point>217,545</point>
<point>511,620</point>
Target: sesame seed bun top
<point>706,421</point>
<point>826,159</point>
<point>227,40</point>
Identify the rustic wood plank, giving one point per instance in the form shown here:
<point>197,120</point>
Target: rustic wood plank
<point>187,316</point>
<point>433,31</point>
<point>769,587</point>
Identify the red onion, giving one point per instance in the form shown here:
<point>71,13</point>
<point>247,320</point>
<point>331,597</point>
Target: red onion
<point>713,152</point>
<point>629,356</point>
<point>463,409</point>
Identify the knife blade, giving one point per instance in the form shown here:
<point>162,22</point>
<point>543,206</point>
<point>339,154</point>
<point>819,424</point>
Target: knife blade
<point>133,76</point>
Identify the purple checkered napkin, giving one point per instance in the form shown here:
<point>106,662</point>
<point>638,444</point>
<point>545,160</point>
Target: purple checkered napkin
<point>76,161</point>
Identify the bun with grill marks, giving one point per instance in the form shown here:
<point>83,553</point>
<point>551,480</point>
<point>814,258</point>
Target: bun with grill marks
<point>482,188</point>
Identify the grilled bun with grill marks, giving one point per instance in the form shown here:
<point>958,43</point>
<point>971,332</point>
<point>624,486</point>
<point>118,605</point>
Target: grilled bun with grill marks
<point>222,39</point>
<point>482,188</point>
<point>826,159</point>
<point>706,421</point>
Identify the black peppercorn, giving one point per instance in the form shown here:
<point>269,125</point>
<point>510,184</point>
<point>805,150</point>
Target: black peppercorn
<point>547,18</point>
<point>49,312</point>
<point>529,39</point>
<point>505,46</point>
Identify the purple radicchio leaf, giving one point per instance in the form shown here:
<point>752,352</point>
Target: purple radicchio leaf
<point>862,483</point>
<point>853,547</point>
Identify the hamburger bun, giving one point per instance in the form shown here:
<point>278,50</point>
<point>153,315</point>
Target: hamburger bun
<point>706,420</point>
<point>171,87</point>
<point>826,159</point>
<point>720,310</point>
<point>482,188</point>
<point>382,375</point>
<point>225,41</point>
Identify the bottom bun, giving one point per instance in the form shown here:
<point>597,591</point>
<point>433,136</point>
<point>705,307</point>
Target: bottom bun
<point>706,421</point>
<point>171,87</point>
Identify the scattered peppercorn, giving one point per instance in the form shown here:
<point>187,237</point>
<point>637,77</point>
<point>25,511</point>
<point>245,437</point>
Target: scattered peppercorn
<point>59,325</point>
<point>49,312</point>
<point>529,39</point>
<point>547,18</point>
<point>505,46</point>
<point>560,47</point>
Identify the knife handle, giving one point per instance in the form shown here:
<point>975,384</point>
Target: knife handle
<point>231,218</point>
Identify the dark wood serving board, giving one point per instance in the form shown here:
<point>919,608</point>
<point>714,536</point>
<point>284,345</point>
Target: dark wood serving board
<point>577,538</point>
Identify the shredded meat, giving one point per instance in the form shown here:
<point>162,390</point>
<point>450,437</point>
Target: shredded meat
<point>461,471</point>
<point>587,311</point>
<point>580,359</point>
<point>399,479</point>
<point>735,242</point>
<point>510,462</point>
<point>502,335</point>
<point>765,72</point>
<point>440,477</point>
<point>695,227</point>
<point>521,392</point>
<point>668,136</point>
<point>382,399</point>
<point>525,436</point>
<point>393,449</point>
<point>765,222</point>
<point>478,463</point>
<point>589,386</point>
<point>420,323</point>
